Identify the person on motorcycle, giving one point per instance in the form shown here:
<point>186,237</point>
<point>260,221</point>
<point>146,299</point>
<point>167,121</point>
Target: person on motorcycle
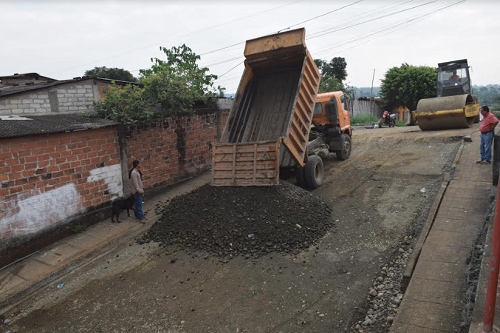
<point>385,117</point>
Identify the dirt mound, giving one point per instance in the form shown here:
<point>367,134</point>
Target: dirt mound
<point>230,221</point>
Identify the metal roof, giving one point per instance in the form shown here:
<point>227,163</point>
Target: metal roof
<point>51,124</point>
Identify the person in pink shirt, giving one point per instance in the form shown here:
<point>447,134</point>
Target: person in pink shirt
<point>486,128</point>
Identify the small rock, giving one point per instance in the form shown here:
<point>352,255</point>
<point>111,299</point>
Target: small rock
<point>7,321</point>
<point>373,292</point>
<point>467,138</point>
<point>390,319</point>
<point>173,260</point>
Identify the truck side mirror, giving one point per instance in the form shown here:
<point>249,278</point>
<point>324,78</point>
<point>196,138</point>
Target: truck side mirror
<point>331,111</point>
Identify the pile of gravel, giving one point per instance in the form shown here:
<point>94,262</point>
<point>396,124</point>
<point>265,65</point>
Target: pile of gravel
<point>249,221</point>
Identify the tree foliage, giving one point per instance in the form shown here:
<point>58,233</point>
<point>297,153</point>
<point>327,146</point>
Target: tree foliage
<point>111,73</point>
<point>407,84</point>
<point>169,87</point>
<point>335,68</point>
<point>332,74</point>
<point>488,95</point>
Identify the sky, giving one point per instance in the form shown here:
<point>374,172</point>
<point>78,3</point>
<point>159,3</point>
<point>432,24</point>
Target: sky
<point>62,39</point>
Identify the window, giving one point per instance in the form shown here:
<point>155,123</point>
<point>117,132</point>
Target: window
<point>318,108</point>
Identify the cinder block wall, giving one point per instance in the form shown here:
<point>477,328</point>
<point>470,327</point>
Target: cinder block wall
<point>176,148</point>
<point>47,180</point>
<point>65,98</point>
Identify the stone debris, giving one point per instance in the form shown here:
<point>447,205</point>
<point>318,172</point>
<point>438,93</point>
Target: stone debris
<point>247,221</point>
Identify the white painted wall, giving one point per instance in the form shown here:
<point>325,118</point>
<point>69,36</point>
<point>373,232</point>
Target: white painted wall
<point>42,209</point>
<point>112,176</point>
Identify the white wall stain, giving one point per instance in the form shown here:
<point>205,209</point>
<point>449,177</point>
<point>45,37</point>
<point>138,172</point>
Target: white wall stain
<point>112,176</point>
<point>36,211</point>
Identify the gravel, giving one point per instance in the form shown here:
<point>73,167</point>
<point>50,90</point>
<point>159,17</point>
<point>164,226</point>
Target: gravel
<point>246,221</point>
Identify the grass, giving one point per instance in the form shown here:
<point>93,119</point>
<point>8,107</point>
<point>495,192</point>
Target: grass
<point>79,228</point>
<point>368,120</point>
<point>364,119</point>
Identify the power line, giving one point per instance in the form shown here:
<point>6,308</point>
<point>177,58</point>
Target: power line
<point>400,25</point>
<point>185,35</point>
<point>326,32</point>
<point>327,13</point>
<point>219,76</point>
<point>314,18</point>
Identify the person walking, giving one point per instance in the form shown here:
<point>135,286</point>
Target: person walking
<point>135,176</point>
<point>487,129</point>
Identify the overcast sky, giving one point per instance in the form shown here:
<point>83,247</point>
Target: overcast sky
<point>62,39</point>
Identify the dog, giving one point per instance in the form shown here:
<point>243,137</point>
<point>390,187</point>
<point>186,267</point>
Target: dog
<point>120,205</point>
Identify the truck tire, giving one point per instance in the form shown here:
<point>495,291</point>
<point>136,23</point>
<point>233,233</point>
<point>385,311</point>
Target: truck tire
<point>345,152</point>
<point>300,175</point>
<point>314,172</point>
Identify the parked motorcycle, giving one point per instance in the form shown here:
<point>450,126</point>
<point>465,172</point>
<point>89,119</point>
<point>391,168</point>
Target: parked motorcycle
<point>387,119</point>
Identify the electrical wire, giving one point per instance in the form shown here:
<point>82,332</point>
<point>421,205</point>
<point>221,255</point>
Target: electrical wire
<point>185,35</point>
<point>398,26</point>
<point>326,32</point>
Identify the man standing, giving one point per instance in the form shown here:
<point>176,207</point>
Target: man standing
<point>137,189</point>
<point>486,128</point>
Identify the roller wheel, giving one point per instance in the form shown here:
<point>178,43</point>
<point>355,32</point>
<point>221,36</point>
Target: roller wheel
<point>346,148</point>
<point>300,175</point>
<point>314,172</point>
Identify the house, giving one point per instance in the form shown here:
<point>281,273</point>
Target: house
<point>368,106</point>
<point>33,94</point>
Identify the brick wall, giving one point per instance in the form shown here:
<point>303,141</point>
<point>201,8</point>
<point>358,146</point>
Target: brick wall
<point>46,180</point>
<point>175,148</point>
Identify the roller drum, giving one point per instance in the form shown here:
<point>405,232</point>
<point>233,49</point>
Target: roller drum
<point>444,112</point>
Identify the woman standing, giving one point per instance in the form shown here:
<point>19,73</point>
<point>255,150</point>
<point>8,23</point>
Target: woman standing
<point>137,189</point>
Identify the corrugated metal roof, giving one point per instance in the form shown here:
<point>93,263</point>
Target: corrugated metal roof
<point>51,124</point>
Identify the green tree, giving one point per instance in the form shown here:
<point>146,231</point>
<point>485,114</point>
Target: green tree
<point>407,84</point>
<point>333,74</point>
<point>169,87</point>
<point>328,84</point>
<point>111,73</point>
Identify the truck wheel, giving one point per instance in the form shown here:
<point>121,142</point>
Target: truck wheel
<point>346,148</point>
<point>300,175</point>
<point>314,172</point>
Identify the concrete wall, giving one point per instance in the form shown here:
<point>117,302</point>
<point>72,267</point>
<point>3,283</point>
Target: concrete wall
<point>73,97</point>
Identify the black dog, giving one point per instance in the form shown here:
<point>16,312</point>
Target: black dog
<point>120,205</point>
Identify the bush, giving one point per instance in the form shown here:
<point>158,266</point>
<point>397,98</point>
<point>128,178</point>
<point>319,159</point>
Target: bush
<point>169,87</point>
<point>364,119</point>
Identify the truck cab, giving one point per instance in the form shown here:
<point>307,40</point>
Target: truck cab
<point>329,112</point>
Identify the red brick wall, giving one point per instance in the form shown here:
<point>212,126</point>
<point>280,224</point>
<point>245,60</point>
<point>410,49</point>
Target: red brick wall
<point>47,179</point>
<point>175,148</point>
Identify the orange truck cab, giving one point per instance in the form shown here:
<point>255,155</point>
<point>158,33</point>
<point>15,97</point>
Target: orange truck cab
<point>333,122</point>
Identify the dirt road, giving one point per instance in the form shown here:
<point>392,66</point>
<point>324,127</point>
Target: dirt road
<point>377,198</point>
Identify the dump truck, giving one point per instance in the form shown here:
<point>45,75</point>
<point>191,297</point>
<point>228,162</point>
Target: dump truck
<point>455,107</point>
<point>331,133</point>
<point>269,124</point>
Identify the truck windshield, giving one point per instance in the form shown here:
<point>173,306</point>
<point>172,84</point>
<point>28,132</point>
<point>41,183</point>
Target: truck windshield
<point>318,109</point>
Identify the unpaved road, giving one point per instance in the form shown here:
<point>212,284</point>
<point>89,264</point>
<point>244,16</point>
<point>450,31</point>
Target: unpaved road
<point>377,200</point>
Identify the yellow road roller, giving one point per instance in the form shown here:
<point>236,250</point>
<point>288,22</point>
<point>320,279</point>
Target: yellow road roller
<point>454,107</point>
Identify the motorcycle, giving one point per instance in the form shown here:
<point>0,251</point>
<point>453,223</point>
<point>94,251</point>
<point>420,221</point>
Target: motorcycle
<point>388,119</point>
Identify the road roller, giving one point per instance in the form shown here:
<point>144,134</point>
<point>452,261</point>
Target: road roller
<point>454,107</point>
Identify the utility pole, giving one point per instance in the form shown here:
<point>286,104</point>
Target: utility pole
<point>371,93</point>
